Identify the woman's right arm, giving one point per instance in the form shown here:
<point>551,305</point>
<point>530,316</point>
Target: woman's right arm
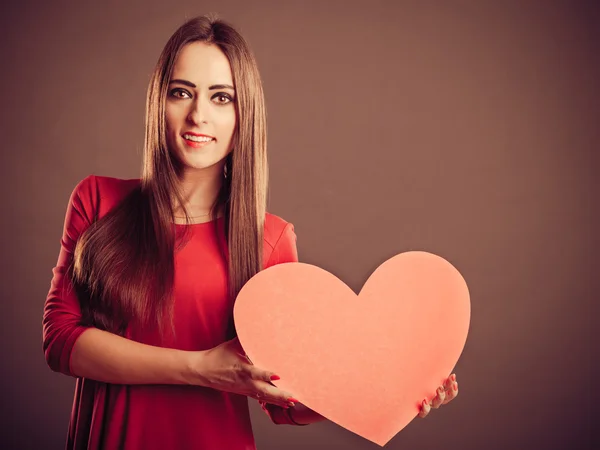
<point>107,357</point>
<point>82,351</point>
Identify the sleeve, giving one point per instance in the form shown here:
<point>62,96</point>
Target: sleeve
<point>61,316</point>
<point>285,250</point>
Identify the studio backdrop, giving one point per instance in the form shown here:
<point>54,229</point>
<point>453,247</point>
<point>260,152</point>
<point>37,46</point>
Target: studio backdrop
<point>464,129</point>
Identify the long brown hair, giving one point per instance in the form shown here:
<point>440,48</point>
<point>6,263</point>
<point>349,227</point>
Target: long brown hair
<point>124,262</point>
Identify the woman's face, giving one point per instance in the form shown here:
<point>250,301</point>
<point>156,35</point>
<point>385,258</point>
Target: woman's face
<point>200,111</point>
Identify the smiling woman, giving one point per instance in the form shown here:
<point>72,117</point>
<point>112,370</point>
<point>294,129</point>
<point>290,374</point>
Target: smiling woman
<point>140,307</point>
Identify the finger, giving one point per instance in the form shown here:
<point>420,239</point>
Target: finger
<point>452,393</point>
<point>274,395</point>
<point>448,383</point>
<point>425,408</point>
<point>266,376</point>
<point>267,390</point>
<point>439,398</point>
<point>260,374</point>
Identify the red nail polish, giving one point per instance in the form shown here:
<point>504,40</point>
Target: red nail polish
<point>453,377</point>
<point>293,400</point>
<point>275,377</point>
<point>455,387</point>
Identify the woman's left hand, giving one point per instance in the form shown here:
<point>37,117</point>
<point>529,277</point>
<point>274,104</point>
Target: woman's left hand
<point>445,393</point>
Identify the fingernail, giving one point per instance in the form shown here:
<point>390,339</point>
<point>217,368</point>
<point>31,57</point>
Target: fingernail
<point>292,400</point>
<point>455,387</point>
<point>275,377</point>
<point>453,377</point>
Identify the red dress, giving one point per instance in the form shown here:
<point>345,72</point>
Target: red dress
<point>161,417</point>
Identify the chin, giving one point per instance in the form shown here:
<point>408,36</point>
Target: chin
<point>195,159</point>
<point>195,164</point>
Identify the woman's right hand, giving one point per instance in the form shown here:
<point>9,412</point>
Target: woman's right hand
<point>226,368</point>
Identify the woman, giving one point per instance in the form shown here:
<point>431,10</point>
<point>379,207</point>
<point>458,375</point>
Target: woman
<point>140,304</point>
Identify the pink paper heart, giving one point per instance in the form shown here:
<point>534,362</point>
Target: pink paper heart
<point>364,362</point>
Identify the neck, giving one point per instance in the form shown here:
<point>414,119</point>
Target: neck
<point>200,188</point>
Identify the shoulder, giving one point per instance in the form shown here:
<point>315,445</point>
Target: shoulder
<point>105,187</point>
<point>110,187</point>
<point>275,228</point>
<point>279,241</point>
<point>100,193</point>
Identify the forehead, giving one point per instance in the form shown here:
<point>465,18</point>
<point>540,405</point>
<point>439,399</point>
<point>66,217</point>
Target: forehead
<point>202,64</point>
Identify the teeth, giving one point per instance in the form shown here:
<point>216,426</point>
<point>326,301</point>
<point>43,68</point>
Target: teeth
<point>197,138</point>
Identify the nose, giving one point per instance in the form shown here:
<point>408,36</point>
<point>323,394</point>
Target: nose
<point>199,111</point>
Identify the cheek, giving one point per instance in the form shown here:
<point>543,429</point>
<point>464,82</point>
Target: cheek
<point>227,123</point>
<point>169,121</point>
<point>171,127</point>
<point>174,117</point>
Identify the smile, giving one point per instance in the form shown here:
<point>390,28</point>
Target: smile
<point>197,141</point>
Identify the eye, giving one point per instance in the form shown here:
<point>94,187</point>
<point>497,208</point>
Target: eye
<point>222,98</point>
<point>175,93</point>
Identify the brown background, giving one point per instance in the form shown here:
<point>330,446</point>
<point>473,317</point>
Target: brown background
<point>467,129</point>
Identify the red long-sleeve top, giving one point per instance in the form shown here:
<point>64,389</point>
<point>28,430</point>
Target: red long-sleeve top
<point>161,417</point>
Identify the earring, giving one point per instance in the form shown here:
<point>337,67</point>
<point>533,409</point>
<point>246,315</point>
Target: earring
<point>225,171</point>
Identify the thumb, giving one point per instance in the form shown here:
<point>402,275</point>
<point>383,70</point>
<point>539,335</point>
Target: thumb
<point>235,345</point>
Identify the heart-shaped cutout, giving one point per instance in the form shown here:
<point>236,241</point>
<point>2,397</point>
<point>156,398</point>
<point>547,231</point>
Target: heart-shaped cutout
<point>364,362</point>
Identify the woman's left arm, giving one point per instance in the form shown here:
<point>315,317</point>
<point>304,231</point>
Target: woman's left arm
<point>301,414</point>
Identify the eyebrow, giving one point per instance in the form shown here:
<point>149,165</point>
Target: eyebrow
<point>192,85</point>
